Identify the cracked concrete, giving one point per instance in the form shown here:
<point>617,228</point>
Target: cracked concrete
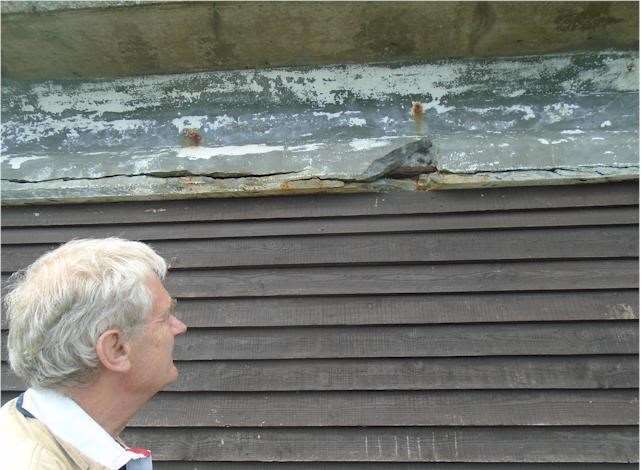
<point>483,122</point>
<point>356,159</point>
<point>148,188</point>
<point>560,176</point>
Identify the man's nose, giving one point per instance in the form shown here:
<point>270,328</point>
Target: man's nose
<point>179,327</point>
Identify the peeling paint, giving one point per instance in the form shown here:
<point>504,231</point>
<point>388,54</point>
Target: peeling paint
<point>16,162</point>
<point>366,144</point>
<point>558,111</point>
<point>328,115</point>
<point>527,112</point>
<point>356,121</point>
<point>194,153</point>
<point>189,122</point>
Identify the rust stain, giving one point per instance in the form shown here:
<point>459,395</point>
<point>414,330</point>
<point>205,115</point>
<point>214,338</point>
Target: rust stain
<point>418,114</point>
<point>192,138</point>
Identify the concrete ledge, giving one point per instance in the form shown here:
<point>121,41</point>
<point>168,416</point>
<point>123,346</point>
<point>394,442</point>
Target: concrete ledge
<point>85,41</point>
<point>149,188</point>
<point>571,176</point>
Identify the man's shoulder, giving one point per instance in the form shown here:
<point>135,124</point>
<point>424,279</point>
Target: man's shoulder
<point>26,444</point>
<point>30,455</point>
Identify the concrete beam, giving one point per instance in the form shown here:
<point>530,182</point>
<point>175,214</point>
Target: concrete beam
<point>565,119</point>
<point>150,188</point>
<point>86,40</point>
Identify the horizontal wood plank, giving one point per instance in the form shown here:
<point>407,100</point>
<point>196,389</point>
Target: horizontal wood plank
<point>581,216</point>
<point>408,309</point>
<point>572,372</point>
<point>406,341</point>
<point>601,444</point>
<point>512,276</point>
<point>407,408</point>
<point>559,243</point>
<point>410,341</point>
<point>173,465</point>
<point>408,279</point>
<point>601,195</point>
<point>389,408</point>
<point>404,309</point>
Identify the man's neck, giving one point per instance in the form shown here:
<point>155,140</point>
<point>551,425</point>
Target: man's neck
<point>107,403</point>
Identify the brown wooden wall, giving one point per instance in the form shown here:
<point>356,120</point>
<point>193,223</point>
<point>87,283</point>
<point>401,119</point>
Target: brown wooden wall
<point>476,329</point>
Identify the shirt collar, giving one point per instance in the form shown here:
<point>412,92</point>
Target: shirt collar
<point>70,423</point>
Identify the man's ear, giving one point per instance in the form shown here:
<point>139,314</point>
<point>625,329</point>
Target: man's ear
<point>113,351</point>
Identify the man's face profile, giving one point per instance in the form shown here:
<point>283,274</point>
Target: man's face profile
<point>152,349</point>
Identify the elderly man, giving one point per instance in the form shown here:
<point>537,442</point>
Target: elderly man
<point>91,331</point>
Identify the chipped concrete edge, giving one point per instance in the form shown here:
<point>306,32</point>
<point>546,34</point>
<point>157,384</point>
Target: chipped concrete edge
<point>149,188</point>
<point>580,175</point>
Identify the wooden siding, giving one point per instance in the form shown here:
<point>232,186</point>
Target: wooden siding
<point>476,329</point>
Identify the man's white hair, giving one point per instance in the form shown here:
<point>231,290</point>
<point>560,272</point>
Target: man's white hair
<point>60,305</point>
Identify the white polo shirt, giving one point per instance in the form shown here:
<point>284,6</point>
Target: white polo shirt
<point>66,420</point>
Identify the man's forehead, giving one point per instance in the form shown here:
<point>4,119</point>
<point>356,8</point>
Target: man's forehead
<point>161,297</point>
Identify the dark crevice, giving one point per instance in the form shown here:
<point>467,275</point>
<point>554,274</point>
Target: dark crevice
<point>164,175</point>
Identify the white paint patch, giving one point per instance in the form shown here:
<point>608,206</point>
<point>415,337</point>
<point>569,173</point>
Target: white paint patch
<point>438,107</point>
<point>572,131</point>
<point>366,144</point>
<point>125,125</point>
<point>221,121</point>
<point>360,122</point>
<point>606,124</point>
<point>197,153</point>
<point>516,93</point>
<point>328,115</point>
<point>70,127</point>
<point>306,147</point>
<point>504,144</point>
<point>527,111</point>
<point>141,165</point>
<point>16,162</point>
<point>98,98</point>
<point>189,122</point>
<point>560,141</point>
<point>559,111</point>
<point>598,138</point>
<point>544,141</point>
